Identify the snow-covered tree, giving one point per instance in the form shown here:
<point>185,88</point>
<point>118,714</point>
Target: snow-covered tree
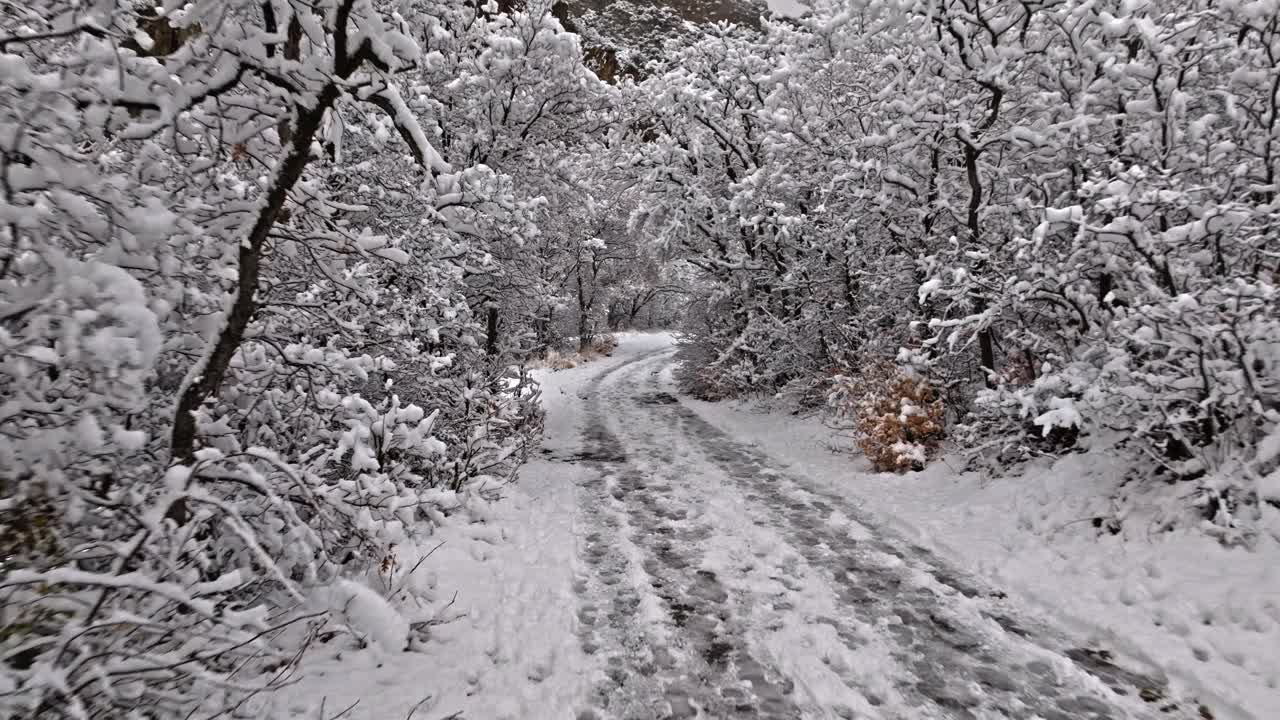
<point>235,366</point>
<point>1062,215</point>
<point>1128,287</point>
<point>510,91</point>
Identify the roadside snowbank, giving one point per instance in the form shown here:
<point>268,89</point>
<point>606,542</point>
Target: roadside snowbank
<point>1206,615</point>
<point>499,602</point>
<point>498,596</point>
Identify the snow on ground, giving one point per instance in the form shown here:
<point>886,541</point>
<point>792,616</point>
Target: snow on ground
<point>788,8</point>
<point>1207,615</point>
<point>500,649</point>
<point>514,625</point>
<point>786,601</point>
<point>500,595</point>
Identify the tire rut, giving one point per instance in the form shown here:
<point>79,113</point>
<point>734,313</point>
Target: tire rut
<point>957,669</point>
<point>959,654</point>
<point>696,662</point>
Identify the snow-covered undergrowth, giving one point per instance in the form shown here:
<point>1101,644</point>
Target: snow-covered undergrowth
<point>1112,271</point>
<point>484,615</point>
<point>242,380</point>
<point>488,612</point>
<point>555,359</point>
<point>1175,598</point>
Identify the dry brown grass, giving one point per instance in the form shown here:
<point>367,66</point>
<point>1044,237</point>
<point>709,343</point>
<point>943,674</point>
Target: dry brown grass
<point>556,360</point>
<point>600,346</point>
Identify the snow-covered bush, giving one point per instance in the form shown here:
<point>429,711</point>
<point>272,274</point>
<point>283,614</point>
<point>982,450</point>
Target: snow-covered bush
<point>226,386</point>
<point>747,147</point>
<point>603,344</point>
<point>1065,216</point>
<point>1136,283</point>
<point>509,91</point>
<point>899,420</point>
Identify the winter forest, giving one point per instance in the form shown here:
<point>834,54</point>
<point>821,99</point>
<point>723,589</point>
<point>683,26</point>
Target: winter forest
<point>426,359</point>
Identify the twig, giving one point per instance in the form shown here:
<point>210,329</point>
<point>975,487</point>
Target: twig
<point>1067,524</point>
<point>446,607</point>
<point>414,709</point>
<point>350,707</point>
<point>416,565</point>
<point>418,626</point>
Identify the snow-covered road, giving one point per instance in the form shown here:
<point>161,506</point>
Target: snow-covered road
<point>710,583</point>
<point>653,563</point>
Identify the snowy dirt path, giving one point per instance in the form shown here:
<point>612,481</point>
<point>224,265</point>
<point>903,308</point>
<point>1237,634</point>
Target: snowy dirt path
<point>711,584</point>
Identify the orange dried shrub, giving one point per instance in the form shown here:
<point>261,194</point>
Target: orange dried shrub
<point>900,421</point>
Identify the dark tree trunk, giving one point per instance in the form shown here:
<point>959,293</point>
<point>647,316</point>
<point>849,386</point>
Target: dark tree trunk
<point>986,347</point>
<point>584,316</point>
<point>203,385</point>
<point>182,439</point>
<point>491,331</point>
<point>987,355</point>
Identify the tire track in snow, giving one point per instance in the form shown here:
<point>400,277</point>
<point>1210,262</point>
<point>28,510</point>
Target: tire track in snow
<point>691,660</point>
<point>965,658</point>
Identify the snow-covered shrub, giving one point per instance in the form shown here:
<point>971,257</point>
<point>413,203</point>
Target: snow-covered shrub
<point>225,387</point>
<point>734,347</point>
<point>1019,419</point>
<point>497,421</point>
<point>898,418</point>
<point>748,153</point>
<point>603,344</point>
<point>557,360</point>
<point>1093,218</point>
<point>509,91</point>
<point>710,372</point>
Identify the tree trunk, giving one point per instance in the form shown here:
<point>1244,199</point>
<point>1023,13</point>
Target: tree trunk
<point>584,316</point>
<point>491,330</point>
<point>986,348</point>
<point>204,381</point>
<point>987,355</point>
